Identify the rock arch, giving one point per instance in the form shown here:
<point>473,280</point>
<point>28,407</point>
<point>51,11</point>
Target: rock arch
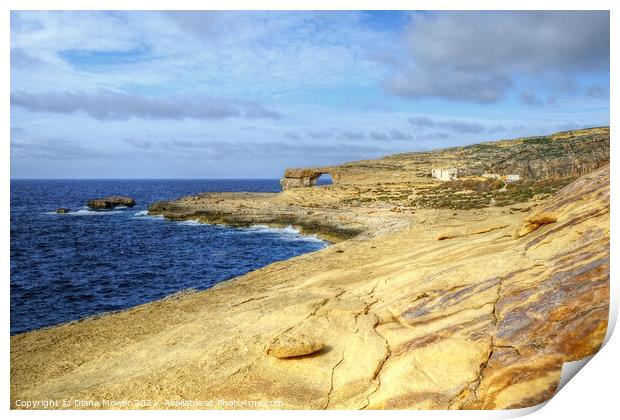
<point>307,177</point>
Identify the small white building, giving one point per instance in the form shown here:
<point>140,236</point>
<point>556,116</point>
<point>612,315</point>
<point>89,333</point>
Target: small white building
<point>445,174</point>
<point>513,178</point>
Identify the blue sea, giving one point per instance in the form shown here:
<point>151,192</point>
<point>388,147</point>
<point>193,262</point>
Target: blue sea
<point>69,266</point>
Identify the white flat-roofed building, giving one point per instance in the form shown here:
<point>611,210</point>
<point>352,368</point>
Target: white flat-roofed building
<point>512,177</point>
<point>444,174</point>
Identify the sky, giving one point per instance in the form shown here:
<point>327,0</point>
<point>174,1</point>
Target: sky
<point>182,94</point>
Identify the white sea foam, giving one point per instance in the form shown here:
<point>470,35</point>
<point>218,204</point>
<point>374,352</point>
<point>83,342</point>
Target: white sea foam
<point>141,213</point>
<point>256,227</point>
<point>85,211</point>
<point>288,233</point>
<point>190,223</point>
<point>144,214</point>
<point>288,230</point>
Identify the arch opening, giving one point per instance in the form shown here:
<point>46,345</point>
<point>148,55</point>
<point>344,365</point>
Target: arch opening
<point>324,179</point>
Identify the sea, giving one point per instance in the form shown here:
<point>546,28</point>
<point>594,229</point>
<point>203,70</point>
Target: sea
<point>65,267</point>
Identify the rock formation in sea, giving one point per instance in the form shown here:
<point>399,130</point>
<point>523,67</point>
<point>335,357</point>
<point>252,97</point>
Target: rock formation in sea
<point>110,202</point>
<point>434,295</point>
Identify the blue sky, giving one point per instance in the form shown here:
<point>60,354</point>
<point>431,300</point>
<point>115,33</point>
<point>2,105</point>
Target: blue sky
<point>247,94</point>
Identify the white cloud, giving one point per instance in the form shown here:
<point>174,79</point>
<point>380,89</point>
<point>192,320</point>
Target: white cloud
<point>452,125</point>
<point>114,105</point>
<point>475,56</point>
<point>136,81</point>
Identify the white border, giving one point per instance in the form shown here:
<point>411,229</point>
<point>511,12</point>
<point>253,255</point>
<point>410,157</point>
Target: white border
<point>593,394</point>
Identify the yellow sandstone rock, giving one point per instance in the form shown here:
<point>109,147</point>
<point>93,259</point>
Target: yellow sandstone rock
<point>542,218</point>
<point>446,235</point>
<point>290,345</point>
<point>533,222</point>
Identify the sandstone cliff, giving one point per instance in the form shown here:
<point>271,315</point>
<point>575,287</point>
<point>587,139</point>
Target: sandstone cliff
<point>371,196</point>
<point>567,154</point>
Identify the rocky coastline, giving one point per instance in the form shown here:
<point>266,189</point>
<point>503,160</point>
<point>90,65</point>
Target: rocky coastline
<point>434,295</point>
<point>275,210</point>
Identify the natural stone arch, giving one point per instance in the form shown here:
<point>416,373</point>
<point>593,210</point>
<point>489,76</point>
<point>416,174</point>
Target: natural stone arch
<point>297,178</point>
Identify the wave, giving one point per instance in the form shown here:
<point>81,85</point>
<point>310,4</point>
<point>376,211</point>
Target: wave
<point>288,230</point>
<point>144,214</point>
<point>85,211</point>
<point>314,238</point>
<point>286,233</point>
<point>190,223</point>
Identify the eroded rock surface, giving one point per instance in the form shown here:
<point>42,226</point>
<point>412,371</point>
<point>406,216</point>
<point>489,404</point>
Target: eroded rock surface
<point>480,319</point>
<point>111,202</point>
<point>562,155</point>
<point>311,210</point>
<point>534,221</point>
<point>293,345</point>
